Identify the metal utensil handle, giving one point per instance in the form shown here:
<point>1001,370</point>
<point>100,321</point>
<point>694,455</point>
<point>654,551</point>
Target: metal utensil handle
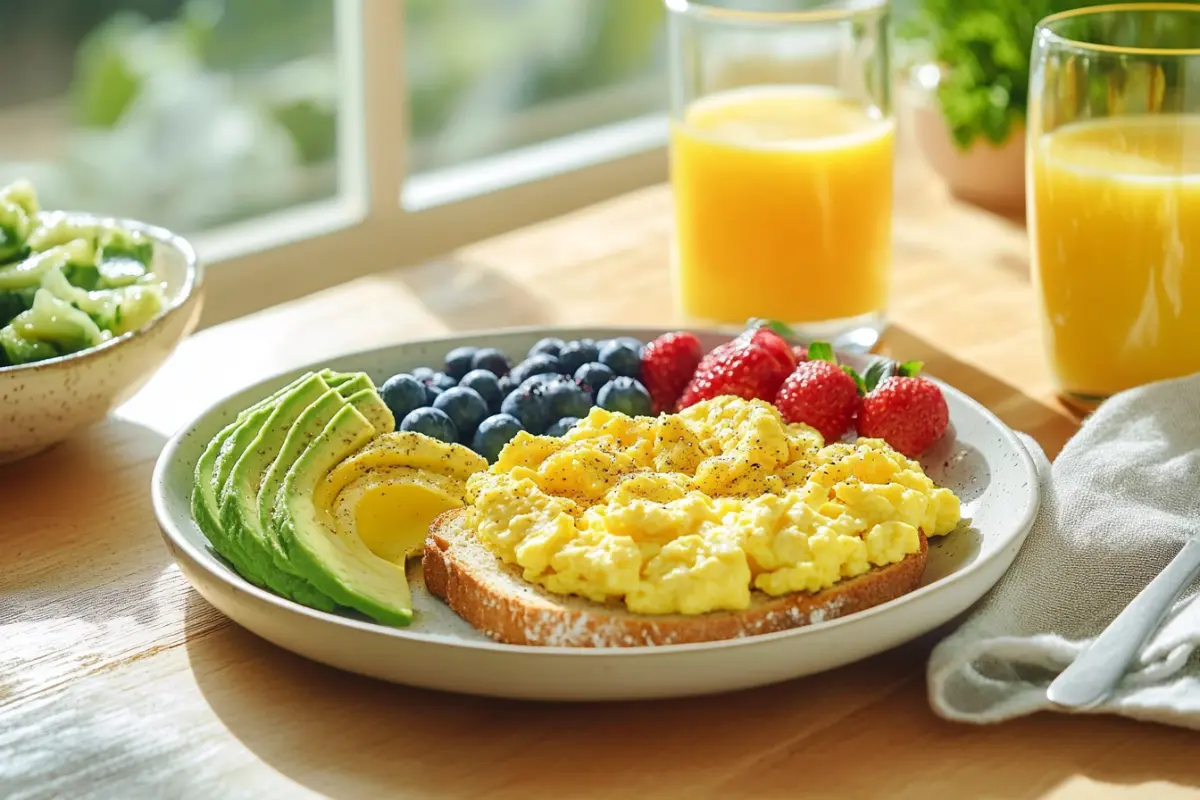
<point>1098,669</point>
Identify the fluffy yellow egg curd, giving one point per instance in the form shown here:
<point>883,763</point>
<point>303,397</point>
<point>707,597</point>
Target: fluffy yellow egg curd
<point>691,512</point>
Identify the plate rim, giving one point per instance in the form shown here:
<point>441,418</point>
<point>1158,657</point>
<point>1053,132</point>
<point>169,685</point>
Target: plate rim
<point>178,543</point>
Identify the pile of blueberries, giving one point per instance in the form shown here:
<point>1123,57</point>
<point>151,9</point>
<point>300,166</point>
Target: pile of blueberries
<point>481,401</point>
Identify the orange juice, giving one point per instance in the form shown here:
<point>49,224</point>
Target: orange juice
<point>783,202</point>
<point>1116,223</point>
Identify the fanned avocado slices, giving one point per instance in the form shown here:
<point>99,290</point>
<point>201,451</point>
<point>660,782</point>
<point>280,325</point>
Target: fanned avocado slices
<point>204,494</point>
<point>238,496</point>
<point>253,496</point>
<point>340,566</point>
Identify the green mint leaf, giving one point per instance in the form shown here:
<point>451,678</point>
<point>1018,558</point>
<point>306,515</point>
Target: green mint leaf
<point>821,351</point>
<point>909,369</point>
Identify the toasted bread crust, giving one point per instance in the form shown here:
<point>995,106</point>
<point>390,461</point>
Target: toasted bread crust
<point>493,598</point>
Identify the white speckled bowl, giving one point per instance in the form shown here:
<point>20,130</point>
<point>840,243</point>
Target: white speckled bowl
<point>43,403</point>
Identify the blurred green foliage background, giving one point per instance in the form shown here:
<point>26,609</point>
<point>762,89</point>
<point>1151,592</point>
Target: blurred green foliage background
<point>984,47</point>
<point>241,95</point>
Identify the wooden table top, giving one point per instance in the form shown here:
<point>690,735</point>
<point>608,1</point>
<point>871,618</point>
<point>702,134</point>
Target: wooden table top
<point>118,680</point>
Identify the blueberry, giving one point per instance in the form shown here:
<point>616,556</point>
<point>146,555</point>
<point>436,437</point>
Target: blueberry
<point>487,384</point>
<point>622,359</point>
<point>625,395</point>
<point>548,346</point>
<point>630,342</point>
<point>465,407</point>
<point>431,393</point>
<point>506,385</point>
<point>431,422</point>
<point>493,433</point>
<point>459,361</point>
<point>535,365</point>
<point>568,399</point>
<point>531,406</point>
<point>402,393</point>
<point>541,379</point>
<point>575,354</point>
<point>594,376</point>
<point>492,360</point>
<point>423,374</point>
<point>561,427</point>
<point>443,381</point>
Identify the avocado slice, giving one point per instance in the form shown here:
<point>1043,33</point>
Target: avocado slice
<point>238,497</point>
<point>340,566</point>
<point>205,506</point>
<point>304,430</point>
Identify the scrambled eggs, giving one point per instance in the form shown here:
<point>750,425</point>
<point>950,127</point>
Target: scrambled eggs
<point>691,512</point>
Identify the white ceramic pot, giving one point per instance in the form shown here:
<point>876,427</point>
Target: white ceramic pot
<point>45,402</point>
<point>985,174</point>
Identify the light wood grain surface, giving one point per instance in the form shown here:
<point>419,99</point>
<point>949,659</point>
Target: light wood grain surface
<point>117,680</point>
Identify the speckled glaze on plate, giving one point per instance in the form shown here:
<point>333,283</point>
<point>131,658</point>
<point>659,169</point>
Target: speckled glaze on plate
<point>980,459</point>
<point>43,403</point>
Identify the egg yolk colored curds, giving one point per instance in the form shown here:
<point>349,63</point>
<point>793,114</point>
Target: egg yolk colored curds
<point>691,512</point>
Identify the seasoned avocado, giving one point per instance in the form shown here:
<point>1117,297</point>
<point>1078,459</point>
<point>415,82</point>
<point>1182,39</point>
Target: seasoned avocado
<point>390,491</point>
<point>238,495</point>
<point>340,566</point>
<point>253,497</point>
<point>303,431</point>
<point>204,495</point>
<point>205,507</point>
<point>391,509</point>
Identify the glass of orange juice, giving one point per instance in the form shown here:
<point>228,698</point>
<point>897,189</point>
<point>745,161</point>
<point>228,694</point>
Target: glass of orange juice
<point>1114,195</point>
<point>781,163</point>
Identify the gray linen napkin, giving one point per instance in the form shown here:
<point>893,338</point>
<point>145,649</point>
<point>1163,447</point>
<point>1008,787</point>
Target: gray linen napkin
<point>1117,505</point>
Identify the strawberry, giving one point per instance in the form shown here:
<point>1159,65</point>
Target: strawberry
<point>801,353</point>
<point>770,334</point>
<point>905,410</point>
<point>751,366</point>
<point>777,346</point>
<point>668,364</point>
<point>821,394</point>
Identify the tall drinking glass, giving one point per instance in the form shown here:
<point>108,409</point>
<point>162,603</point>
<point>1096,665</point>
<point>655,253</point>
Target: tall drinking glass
<point>781,164</point>
<point>1114,195</point>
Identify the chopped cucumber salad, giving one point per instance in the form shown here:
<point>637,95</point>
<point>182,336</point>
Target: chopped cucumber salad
<point>66,286</point>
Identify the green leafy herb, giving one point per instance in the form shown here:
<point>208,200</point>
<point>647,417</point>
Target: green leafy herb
<point>821,351</point>
<point>984,48</point>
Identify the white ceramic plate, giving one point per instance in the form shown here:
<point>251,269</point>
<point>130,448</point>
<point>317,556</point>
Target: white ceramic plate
<point>980,459</point>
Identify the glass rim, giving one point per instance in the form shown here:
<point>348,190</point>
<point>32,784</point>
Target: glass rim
<point>699,9</point>
<point>1045,29</point>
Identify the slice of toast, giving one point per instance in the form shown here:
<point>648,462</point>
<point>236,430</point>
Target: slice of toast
<point>494,598</point>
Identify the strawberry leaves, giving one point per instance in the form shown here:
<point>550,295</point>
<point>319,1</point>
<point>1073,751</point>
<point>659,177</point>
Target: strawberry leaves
<point>771,324</point>
<point>859,381</point>
<point>877,373</point>
<point>885,368</point>
<point>821,351</point>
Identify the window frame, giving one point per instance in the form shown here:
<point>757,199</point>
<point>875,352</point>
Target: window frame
<point>366,228</point>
